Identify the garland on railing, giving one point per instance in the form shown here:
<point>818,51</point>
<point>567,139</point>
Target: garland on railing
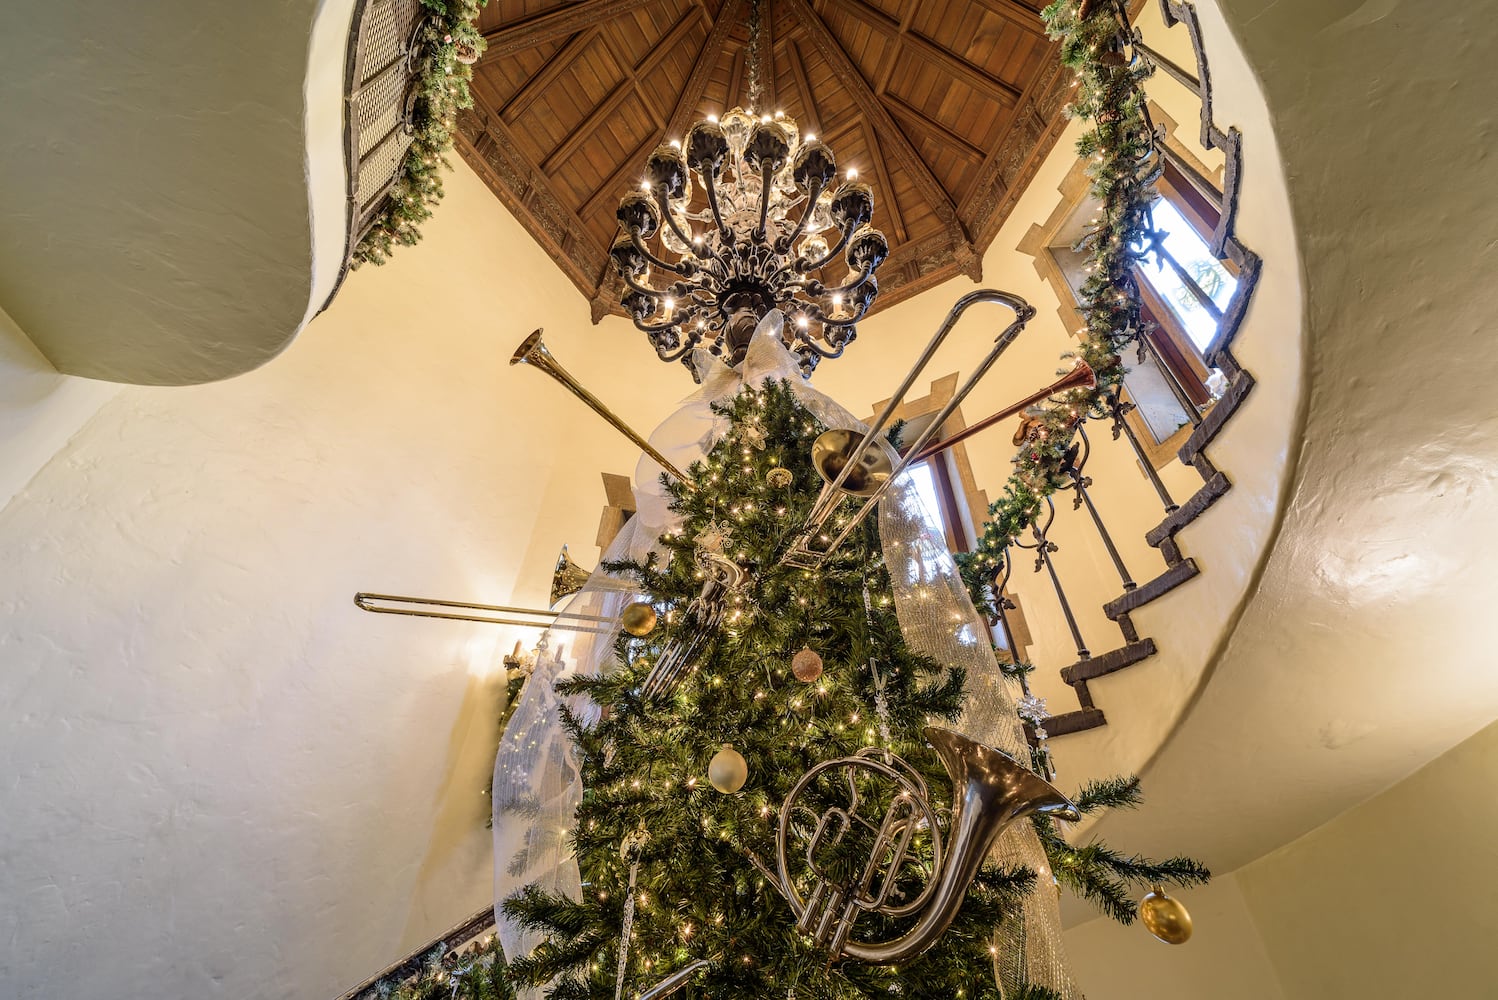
<point>1123,168</point>
<point>449,44</point>
<point>478,973</point>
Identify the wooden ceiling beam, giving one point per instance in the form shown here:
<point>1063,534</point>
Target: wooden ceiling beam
<point>1019,14</point>
<point>610,188</point>
<point>667,45</point>
<point>964,71</point>
<point>585,129</point>
<point>630,84</point>
<point>933,128</point>
<point>869,138</point>
<point>892,138</point>
<point>536,85</point>
<point>558,22</point>
<point>808,96</point>
<point>702,69</point>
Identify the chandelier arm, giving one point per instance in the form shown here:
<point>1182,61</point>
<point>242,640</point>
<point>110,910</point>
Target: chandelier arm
<point>818,265</point>
<point>848,289</point>
<point>708,181</point>
<point>820,352</point>
<point>646,328</point>
<point>689,240</point>
<point>814,191</point>
<point>635,286</point>
<point>766,174</point>
<point>639,244</point>
<point>850,321</point>
<point>693,339</point>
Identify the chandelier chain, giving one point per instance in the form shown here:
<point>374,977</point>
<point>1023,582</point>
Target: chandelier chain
<point>754,82</point>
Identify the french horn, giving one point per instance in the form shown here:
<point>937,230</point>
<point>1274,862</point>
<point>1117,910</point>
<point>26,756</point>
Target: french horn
<point>990,791</point>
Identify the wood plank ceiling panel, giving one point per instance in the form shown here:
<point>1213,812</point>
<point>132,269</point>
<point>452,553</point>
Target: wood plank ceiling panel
<point>946,108</point>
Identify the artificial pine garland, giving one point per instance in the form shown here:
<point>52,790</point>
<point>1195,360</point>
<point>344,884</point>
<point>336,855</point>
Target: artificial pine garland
<point>448,43</point>
<point>1123,166</point>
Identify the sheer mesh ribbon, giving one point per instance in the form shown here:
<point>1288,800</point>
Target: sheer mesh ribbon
<point>537,786</point>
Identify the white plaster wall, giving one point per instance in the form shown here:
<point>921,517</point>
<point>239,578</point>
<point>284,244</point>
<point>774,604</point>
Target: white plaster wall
<point>1393,898</point>
<point>1225,959</point>
<point>39,408</point>
<point>155,178</point>
<point>222,778</point>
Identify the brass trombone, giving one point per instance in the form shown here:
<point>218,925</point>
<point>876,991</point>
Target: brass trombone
<point>866,466</point>
<point>534,353</point>
<point>421,607</point>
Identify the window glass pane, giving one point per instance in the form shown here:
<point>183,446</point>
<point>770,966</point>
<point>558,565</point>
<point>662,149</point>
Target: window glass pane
<point>925,488</point>
<point>1190,250</point>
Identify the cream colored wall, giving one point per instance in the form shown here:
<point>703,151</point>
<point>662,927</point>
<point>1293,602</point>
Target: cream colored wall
<point>1224,960</point>
<point>222,777</point>
<point>39,408</point>
<point>1393,898</point>
<point>157,181</point>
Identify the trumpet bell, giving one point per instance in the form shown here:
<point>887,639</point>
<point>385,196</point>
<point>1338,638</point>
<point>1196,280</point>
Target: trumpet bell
<point>833,450</point>
<point>568,577</point>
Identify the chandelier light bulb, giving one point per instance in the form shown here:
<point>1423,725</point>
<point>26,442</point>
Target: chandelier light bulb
<point>735,218</point>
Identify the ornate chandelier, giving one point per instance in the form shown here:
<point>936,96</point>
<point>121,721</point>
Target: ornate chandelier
<point>746,216</point>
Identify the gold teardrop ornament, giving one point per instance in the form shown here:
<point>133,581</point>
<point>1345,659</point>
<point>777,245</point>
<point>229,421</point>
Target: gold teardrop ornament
<point>1165,917</point>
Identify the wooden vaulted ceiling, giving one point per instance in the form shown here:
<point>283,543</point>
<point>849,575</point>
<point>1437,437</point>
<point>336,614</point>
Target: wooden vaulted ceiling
<point>946,108</point>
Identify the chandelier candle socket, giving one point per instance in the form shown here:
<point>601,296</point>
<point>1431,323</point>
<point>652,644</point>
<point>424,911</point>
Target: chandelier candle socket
<point>746,216</point>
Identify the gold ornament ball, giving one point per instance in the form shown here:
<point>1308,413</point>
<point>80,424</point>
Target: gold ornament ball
<point>638,619</point>
<point>727,771</point>
<point>779,478</point>
<point>1165,917</point>
<point>806,665</point>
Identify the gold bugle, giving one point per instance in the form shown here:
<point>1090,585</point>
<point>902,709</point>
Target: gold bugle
<point>1080,377</point>
<point>532,352</point>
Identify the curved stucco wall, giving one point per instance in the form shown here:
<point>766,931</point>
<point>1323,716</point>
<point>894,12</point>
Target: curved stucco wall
<point>171,182</point>
<point>222,778</point>
<point>1364,653</point>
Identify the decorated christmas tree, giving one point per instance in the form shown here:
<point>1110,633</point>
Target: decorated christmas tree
<point>762,807</point>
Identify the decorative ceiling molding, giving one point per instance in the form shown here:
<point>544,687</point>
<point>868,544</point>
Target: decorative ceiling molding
<point>947,109</point>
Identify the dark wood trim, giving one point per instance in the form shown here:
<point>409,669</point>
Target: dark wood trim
<point>868,104</point>
<point>537,84</point>
<point>549,25</point>
<point>964,72</point>
<point>931,127</point>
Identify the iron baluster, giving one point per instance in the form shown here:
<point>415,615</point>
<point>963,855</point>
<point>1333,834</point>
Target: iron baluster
<point>1117,407</point>
<point>1147,346</point>
<point>1077,457</point>
<point>1043,548</point>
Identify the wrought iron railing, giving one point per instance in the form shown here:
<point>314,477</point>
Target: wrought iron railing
<point>1206,420</point>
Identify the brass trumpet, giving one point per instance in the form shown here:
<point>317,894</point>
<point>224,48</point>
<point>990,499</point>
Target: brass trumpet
<point>532,352</point>
<point>865,465</point>
<point>1080,377</point>
<point>990,790</point>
